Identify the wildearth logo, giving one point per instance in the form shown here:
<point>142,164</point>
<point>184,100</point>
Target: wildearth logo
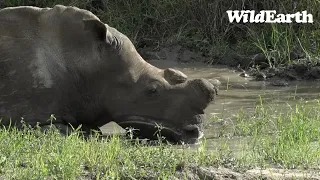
<point>268,16</point>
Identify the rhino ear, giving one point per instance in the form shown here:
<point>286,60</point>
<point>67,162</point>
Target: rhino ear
<point>174,76</point>
<point>96,27</point>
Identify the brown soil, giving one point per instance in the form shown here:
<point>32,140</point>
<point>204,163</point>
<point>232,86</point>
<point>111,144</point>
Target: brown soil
<point>203,173</point>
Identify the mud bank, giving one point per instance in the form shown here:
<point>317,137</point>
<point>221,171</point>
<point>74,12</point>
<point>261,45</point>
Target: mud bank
<point>253,66</point>
<point>203,173</point>
<point>221,173</point>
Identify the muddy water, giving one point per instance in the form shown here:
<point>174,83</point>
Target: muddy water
<point>236,93</point>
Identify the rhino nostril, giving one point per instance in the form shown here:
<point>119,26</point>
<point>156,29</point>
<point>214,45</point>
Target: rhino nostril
<point>191,131</point>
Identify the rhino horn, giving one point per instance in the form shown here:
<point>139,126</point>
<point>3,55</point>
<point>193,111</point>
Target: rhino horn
<point>174,76</point>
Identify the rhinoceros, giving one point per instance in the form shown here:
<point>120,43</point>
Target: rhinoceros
<point>65,61</point>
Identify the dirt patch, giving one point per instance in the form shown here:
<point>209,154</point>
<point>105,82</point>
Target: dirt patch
<point>203,173</point>
<point>295,71</point>
<point>185,55</point>
<point>174,53</point>
<point>221,173</point>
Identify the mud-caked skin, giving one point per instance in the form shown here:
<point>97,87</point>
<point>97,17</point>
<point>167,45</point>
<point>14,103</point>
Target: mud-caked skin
<point>65,61</point>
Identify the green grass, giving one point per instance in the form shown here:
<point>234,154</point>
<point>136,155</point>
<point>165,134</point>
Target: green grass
<point>31,154</point>
<point>287,139</point>
<point>203,26</point>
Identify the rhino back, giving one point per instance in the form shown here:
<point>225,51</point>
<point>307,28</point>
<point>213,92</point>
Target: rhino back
<point>41,51</point>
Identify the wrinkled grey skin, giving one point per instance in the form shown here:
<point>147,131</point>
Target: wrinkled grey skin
<point>65,61</point>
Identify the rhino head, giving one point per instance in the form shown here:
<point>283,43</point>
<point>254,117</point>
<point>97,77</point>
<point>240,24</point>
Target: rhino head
<point>144,97</point>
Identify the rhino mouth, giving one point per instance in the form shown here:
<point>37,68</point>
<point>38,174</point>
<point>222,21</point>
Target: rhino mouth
<point>150,128</point>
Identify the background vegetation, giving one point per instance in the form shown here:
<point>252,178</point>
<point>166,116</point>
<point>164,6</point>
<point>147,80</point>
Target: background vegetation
<point>202,25</point>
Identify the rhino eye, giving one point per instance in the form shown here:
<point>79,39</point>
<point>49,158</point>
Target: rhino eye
<point>152,91</point>
<point>154,88</point>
